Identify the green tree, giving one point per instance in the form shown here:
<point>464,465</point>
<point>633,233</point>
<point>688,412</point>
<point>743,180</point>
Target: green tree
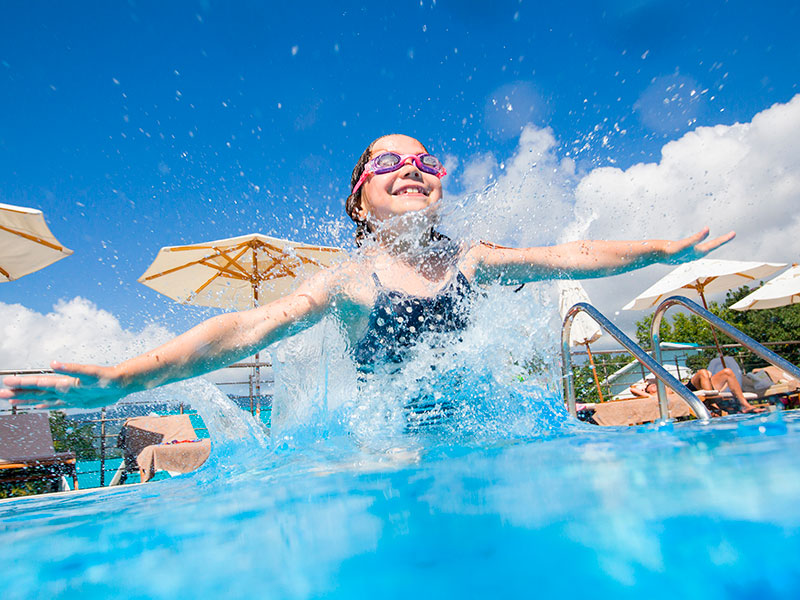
<point>769,325</point>
<point>585,386</point>
<point>68,436</point>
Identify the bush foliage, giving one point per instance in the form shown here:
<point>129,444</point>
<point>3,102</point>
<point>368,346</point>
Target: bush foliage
<point>768,325</point>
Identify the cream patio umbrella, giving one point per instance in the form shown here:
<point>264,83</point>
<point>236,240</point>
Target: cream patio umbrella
<point>699,277</point>
<point>584,330</point>
<point>26,243</point>
<point>236,273</point>
<point>781,291</point>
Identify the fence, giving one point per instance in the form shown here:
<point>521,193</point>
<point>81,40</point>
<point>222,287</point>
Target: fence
<point>106,429</point>
<point>606,365</point>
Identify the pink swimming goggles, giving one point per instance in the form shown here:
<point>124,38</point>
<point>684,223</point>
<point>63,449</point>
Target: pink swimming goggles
<point>386,162</point>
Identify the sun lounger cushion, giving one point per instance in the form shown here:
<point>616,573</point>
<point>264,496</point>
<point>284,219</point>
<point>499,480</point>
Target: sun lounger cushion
<point>636,411</point>
<point>162,443</point>
<point>27,438</point>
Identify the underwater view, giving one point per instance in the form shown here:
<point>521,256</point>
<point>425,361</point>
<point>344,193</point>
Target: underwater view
<point>342,238</point>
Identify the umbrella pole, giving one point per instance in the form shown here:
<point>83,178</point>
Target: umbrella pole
<point>594,372</point>
<point>714,333</point>
<point>257,369</point>
<point>251,393</point>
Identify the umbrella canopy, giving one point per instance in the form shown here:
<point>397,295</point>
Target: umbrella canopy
<point>26,243</point>
<point>236,273</point>
<point>585,330</point>
<point>781,291</point>
<point>701,277</point>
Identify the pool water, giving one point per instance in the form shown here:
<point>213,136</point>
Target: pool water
<point>569,510</point>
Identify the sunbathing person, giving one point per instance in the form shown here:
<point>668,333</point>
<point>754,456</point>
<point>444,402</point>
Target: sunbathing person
<point>726,378</point>
<point>647,389</point>
<point>404,280</point>
<point>703,380</point>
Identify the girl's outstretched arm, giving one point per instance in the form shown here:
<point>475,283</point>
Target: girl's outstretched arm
<point>584,259</point>
<point>213,344</point>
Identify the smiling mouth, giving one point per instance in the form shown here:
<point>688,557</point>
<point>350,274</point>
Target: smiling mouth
<point>411,190</point>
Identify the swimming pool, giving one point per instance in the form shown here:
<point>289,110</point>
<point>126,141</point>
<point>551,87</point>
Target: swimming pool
<point>682,510</point>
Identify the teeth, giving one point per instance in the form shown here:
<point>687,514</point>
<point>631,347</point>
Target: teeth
<point>412,190</point>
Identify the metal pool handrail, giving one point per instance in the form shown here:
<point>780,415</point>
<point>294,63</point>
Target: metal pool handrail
<point>726,328</point>
<point>638,352</point>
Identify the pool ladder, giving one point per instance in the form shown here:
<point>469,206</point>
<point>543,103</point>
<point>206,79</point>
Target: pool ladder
<point>653,364</point>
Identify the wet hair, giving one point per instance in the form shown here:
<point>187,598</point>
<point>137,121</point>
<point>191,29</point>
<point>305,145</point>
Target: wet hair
<point>353,204</point>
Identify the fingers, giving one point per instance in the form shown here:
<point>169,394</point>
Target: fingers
<point>36,387</point>
<point>83,373</point>
<point>677,247</point>
<point>716,242</point>
<point>698,237</point>
<point>34,382</point>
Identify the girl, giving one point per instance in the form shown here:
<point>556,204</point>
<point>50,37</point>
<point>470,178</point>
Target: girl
<point>405,280</point>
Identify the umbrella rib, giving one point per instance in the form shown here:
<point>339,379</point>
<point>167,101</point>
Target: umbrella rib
<point>223,270</point>
<point>198,247</point>
<point>207,283</point>
<point>268,272</point>
<point>199,261</point>
<point>276,262</point>
<point>281,252</point>
<point>4,272</point>
<point>317,248</point>
<point>33,238</point>
<point>173,269</point>
<point>233,261</point>
<point>308,261</point>
<point>303,259</point>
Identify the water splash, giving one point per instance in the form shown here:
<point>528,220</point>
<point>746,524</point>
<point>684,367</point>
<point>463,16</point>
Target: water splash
<point>494,380</point>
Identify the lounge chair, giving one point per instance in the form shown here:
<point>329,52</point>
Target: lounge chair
<point>152,444</point>
<point>775,378</point>
<point>769,382</point>
<point>635,411</point>
<point>27,452</point>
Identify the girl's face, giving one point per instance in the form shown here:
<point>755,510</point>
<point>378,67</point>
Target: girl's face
<point>400,192</point>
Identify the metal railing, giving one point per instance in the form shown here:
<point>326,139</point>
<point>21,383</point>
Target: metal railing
<point>662,375</point>
<point>745,340</point>
<point>607,369</point>
<point>107,451</point>
<point>253,382</point>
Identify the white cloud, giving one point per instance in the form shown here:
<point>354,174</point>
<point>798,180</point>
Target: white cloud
<point>77,330</point>
<point>744,177</point>
<point>479,171</point>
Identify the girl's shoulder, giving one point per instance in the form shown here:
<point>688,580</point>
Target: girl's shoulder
<point>473,253</point>
<point>350,279</point>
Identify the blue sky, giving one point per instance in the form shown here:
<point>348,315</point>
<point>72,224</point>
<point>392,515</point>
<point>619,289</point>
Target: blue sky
<point>135,125</point>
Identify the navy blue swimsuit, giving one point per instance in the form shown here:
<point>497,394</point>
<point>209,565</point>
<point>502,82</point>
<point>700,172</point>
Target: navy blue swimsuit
<point>398,320</point>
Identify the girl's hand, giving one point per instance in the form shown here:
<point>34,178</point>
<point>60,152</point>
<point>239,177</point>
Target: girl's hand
<point>693,247</point>
<point>81,386</point>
